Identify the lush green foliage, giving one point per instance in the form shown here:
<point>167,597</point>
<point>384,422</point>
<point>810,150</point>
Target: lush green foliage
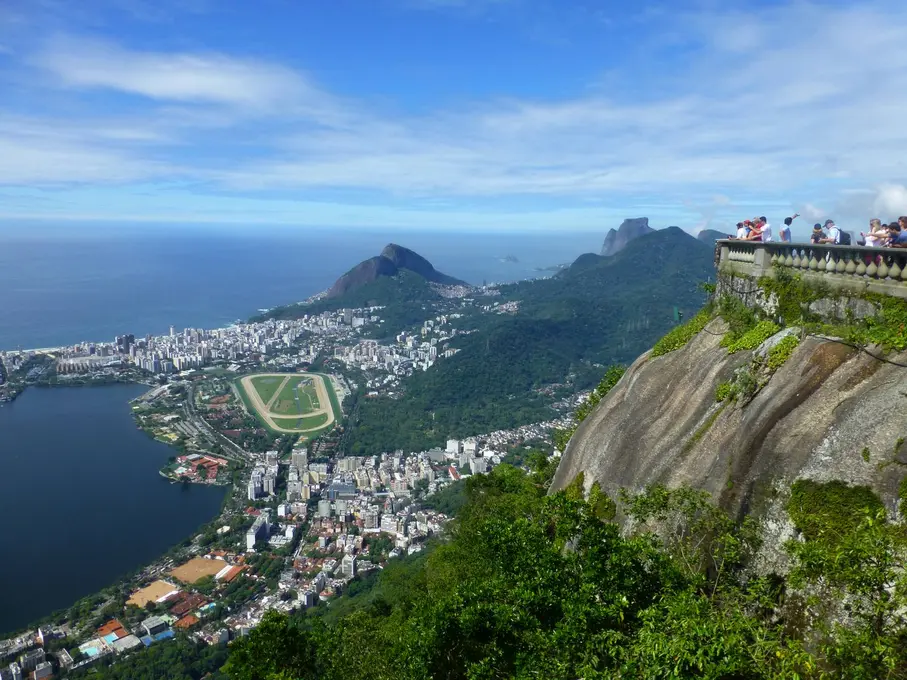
<point>792,295</point>
<point>724,391</point>
<point>826,512</point>
<point>533,586</point>
<point>448,500</point>
<point>681,335</point>
<point>177,660</point>
<point>751,339</point>
<point>889,328</point>
<point>780,353</point>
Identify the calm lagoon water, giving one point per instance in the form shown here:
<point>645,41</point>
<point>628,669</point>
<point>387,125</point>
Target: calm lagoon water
<point>81,500</point>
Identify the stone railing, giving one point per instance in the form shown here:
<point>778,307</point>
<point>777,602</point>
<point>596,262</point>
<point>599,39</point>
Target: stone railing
<point>846,268</point>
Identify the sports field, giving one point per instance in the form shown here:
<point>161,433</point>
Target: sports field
<point>301,403</point>
<point>196,569</point>
<point>151,593</point>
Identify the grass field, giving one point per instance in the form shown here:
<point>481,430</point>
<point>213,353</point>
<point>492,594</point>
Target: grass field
<point>303,423</point>
<point>292,403</point>
<point>267,386</point>
<point>298,397</point>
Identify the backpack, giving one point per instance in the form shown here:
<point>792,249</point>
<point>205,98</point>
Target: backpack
<point>845,239</point>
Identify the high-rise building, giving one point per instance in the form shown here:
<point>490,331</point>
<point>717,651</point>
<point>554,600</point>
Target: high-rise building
<point>324,508</point>
<point>348,566</point>
<point>256,487</point>
<point>258,531</point>
<point>299,459</point>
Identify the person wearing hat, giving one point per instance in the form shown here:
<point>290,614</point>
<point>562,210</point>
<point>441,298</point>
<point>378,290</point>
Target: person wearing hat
<point>817,234</point>
<point>834,234</point>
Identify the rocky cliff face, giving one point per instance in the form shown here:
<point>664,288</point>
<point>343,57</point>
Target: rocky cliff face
<point>391,260</point>
<point>617,240</point>
<point>814,419</point>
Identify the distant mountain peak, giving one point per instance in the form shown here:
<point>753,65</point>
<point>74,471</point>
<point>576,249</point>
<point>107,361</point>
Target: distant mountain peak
<point>709,236</point>
<point>630,229</point>
<point>390,262</point>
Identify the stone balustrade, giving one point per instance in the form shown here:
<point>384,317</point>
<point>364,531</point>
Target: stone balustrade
<point>845,268</point>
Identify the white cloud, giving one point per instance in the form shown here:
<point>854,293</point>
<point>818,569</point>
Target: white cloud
<point>179,77</point>
<point>890,201</point>
<point>771,106</point>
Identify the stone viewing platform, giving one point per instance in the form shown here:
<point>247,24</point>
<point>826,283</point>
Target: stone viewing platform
<point>844,269</point>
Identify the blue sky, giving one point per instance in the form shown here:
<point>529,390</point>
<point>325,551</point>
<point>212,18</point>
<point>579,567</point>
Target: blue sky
<point>451,114</point>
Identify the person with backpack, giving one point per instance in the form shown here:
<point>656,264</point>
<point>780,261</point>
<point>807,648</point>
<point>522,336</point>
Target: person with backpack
<point>835,235</point>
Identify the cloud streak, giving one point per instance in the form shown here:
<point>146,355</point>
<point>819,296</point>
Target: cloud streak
<point>751,107</point>
<point>186,77</point>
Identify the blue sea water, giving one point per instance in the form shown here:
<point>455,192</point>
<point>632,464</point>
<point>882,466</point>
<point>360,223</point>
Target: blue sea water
<point>60,288</point>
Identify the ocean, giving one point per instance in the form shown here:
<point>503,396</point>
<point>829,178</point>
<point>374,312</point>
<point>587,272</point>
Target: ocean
<point>94,285</point>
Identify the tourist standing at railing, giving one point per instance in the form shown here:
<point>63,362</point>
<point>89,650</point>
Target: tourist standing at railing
<point>898,234</point>
<point>834,234</point>
<point>818,235</point>
<point>877,235</point>
<point>784,232</point>
<point>756,231</point>
<point>766,230</point>
<point>741,230</point>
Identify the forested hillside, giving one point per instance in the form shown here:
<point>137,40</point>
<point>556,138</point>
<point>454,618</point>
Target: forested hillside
<point>600,311</point>
<point>536,586</point>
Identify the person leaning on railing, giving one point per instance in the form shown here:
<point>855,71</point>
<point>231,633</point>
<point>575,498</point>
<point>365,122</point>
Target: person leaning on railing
<point>897,234</point>
<point>878,234</point>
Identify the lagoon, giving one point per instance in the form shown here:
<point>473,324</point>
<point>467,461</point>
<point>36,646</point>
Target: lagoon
<point>81,500</point>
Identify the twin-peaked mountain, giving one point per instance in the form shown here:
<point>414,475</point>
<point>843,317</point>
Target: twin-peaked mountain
<point>630,229</point>
<point>392,260</point>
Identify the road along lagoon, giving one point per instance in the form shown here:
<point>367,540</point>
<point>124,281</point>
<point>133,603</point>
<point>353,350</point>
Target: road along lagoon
<point>295,403</point>
<point>81,500</point>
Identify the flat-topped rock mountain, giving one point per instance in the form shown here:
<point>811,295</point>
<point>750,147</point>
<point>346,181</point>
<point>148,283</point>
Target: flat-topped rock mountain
<point>390,262</point>
<point>630,229</point>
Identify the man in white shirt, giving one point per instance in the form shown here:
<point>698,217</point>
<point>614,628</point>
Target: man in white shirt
<point>834,234</point>
<point>766,230</point>
<point>741,230</point>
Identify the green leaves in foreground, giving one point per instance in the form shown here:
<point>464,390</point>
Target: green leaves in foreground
<point>681,335</point>
<point>537,586</point>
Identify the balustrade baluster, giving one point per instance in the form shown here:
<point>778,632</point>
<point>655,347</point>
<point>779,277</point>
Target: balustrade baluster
<point>813,262</point>
<point>851,267</point>
<point>872,271</point>
<point>895,271</point>
<point>883,268</point>
<point>841,265</point>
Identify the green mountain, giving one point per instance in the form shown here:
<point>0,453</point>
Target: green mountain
<point>392,260</point>
<point>709,236</point>
<point>599,311</point>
